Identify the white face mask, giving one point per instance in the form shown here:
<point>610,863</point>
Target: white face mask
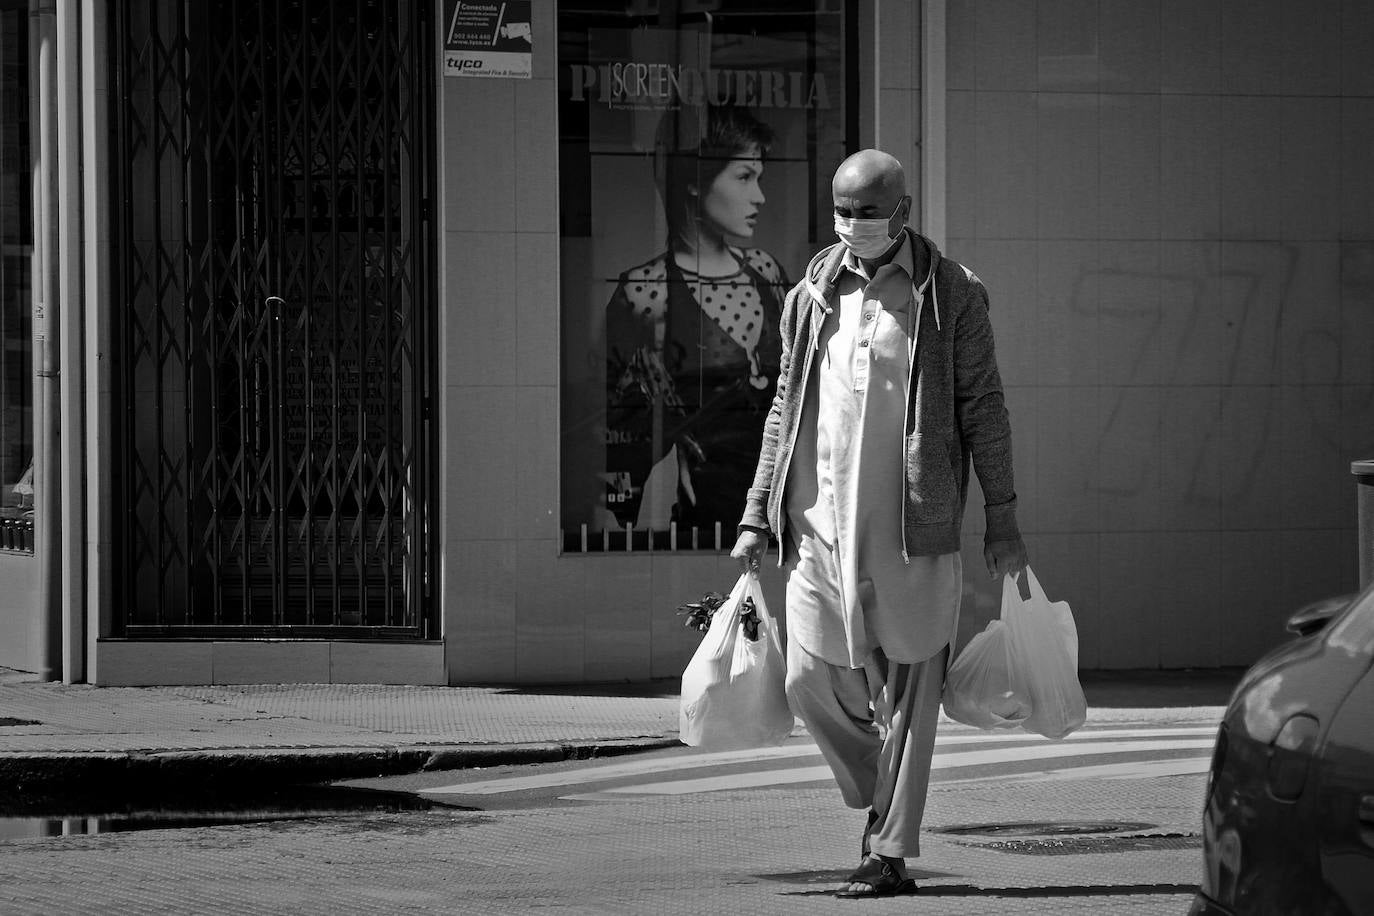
<point>867,238</point>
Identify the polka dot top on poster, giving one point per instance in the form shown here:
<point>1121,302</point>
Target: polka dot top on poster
<point>733,304</point>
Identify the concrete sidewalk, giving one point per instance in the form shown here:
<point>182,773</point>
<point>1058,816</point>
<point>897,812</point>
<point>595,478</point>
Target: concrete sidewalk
<point>77,739</point>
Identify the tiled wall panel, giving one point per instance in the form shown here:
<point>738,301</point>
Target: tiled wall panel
<point>1190,142</point>
<point>1067,133</point>
<point>479,305</point>
<point>1005,150</point>
<point>1129,166</point>
<point>1129,45</point>
<point>1003,45</point>
<point>617,636</point>
<point>1310,168</point>
<point>1130,567</point>
<point>1357,64</point>
<point>1129,457</point>
<point>1310,33</point>
<point>1129,313</point>
<point>479,610</point>
<point>1252,581</point>
<point>1357,178</point>
<point>1184,306</point>
<point>1190,46</point>
<point>1250,167</point>
<point>19,573</point>
<point>271,663</point>
<point>550,615</point>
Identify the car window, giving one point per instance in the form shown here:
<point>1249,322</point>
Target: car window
<point>1354,629</point>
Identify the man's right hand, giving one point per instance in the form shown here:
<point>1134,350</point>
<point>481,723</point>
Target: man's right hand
<point>750,547</point>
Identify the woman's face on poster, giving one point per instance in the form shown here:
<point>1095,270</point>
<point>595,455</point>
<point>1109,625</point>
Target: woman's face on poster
<point>730,203</point>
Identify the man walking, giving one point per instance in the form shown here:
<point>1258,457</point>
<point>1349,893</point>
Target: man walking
<point>888,387</point>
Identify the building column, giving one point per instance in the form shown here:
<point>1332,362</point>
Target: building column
<point>932,26</point>
<point>47,500</point>
<point>70,339</point>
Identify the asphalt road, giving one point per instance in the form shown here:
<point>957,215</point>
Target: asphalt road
<point>1105,822</point>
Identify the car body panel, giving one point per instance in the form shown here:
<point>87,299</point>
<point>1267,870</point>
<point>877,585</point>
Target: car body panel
<point>1266,855</point>
<point>1346,787</point>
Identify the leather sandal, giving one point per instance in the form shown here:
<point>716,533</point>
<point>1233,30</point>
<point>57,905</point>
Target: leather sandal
<point>882,880</point>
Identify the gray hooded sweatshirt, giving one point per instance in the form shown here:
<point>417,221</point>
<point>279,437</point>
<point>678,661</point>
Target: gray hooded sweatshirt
<point>955,412</point>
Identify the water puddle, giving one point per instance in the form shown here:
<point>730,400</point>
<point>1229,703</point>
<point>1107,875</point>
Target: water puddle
<point>26,818</point>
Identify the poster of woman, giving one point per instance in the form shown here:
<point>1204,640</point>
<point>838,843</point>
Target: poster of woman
<point>688,205</point>
<point>692,334</point>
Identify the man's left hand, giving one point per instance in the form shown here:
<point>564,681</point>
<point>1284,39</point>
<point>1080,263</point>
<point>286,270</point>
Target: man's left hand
<point>1006,556</point>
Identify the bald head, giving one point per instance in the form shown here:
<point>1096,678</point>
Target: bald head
<point>870,185</point>
<point>869,172</point>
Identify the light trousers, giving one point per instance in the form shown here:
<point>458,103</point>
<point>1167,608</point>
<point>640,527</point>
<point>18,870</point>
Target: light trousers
<point>875,727</point>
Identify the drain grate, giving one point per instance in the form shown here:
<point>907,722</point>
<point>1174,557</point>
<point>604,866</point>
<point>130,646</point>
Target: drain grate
<point>1071,838</point>
<point>1046,828</point>
<point>1077,846</point>
<point>5,720</point>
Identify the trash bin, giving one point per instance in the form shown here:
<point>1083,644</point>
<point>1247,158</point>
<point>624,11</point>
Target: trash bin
<point>1364,479</point>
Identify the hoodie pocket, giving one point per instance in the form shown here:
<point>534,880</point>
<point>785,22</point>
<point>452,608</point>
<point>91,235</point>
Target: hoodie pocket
<point>932,490</point>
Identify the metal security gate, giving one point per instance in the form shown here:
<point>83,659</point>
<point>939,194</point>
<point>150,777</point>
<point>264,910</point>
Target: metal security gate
<point>273,254</point>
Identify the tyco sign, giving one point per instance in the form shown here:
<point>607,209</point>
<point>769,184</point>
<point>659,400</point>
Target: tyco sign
<point>488,39</point>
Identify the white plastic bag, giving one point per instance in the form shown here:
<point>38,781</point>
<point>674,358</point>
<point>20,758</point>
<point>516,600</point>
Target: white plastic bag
<point>1044,653</point>
<point>733,691</point>
<point>980,689</point>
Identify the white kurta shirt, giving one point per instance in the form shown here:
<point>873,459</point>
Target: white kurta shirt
<point>849,589</point>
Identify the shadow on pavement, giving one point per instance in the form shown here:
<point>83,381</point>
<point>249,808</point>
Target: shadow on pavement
<point>833,880</point>
<point>1069,890</point>
<point>666,688</point>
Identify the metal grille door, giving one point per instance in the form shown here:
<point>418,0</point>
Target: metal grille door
<point>273,254</point>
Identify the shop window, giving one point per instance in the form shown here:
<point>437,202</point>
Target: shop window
<point>695,144</point>
<point>16,305</point>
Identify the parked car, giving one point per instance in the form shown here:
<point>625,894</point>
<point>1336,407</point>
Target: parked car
<point>1288,826</point>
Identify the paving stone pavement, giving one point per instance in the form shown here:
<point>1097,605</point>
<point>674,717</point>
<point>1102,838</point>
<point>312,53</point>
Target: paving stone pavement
<point>745,852</point>
<point>81,718</point>
<point>74,718</point>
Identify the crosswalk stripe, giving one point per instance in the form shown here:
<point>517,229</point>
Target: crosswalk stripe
<point>649,765</point>
<point>1131,769</point>
<point>621,770</point>
<point>940,762</point>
